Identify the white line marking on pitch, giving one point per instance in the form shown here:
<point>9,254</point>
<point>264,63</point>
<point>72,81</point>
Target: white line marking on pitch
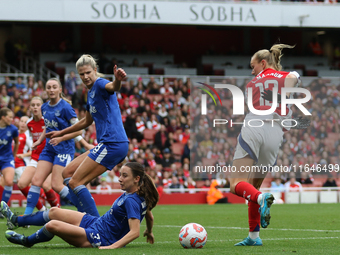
<point>226,240</point>
<point>274,229</point>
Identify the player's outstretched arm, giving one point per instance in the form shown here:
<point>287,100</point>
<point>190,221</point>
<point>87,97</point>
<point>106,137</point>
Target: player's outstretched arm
<point>39,141</point>
<point>116,84</point>
<point>56,140</point>
<point>148,231</point>
<point>134,225</point>
<point>80,125</point>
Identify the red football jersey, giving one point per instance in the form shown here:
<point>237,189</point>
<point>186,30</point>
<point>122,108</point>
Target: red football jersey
<point>36,128</point>
<point>25,143</point>
<point>266,79</point>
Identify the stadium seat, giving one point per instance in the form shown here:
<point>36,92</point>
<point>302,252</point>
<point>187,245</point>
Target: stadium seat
<point>311,73</point>
<point>219,72</point>
<point>50,65</point>
<point>158,71</point>
<point>149,135</point>
<point>207,69</point>
<point>208,161</point>
<point>177,150</point>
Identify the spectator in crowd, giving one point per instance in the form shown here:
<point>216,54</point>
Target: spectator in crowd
<point>4,96</point>
<point>166,89</point>
<point>153,123</point>
<point>166,180</point>
<point>305,178</point>
<point>293,184</point>
<point>315,47</point>
<point>9,85</point>
<point>154,89</point>
<point>175,184</point>
<point>161,137</point>
<point>330,182</point>
<point>168,160</point>
<point>71,86</point>
<point>277,185</point>
<point>20,85</point>
<point>103,187</point>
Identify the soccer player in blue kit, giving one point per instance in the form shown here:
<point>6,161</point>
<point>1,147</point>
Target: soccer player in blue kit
<point>102,108</point>
<point>115,229</point>
<point>59,152</point>
<point>8,132</point>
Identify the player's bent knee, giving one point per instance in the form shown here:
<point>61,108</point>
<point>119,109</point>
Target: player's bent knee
<point>73,183</point>
<point>52,226</point>
<point>52,214</point>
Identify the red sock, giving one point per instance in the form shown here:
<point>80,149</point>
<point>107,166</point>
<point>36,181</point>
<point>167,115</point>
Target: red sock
<point>42,194</point>
<point>1,190</point>
<point>25,191</point>
<point>254,217</point>
<point>52,198</point>
<point>247,191</point>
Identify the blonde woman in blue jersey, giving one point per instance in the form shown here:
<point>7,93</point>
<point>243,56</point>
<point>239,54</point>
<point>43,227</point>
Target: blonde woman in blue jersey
<point>8,133</point>
<point>115,229</point>
<point>102,108</point>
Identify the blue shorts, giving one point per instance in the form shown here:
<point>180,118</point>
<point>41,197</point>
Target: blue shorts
<point>92,234</point>
<point>6,163</point>
<point>109,154</point>
<point>50,155</point>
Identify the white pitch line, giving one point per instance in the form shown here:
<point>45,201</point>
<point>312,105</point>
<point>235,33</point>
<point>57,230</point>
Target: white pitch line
<point>273,229</point>
<point>269,239</point>
<point>226,240</point>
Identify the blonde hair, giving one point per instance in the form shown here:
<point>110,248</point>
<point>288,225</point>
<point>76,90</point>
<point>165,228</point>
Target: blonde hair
<point>87,59</point>
<point>61,94</point>
<point>272,56</point>
<point>37,98</point>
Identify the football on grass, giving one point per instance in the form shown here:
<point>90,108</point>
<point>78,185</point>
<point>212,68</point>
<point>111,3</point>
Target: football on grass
<point>193,235</point>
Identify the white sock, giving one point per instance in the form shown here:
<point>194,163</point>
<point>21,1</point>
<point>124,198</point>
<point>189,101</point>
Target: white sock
<point>254,235</point>
<point>259,198</point>
<point>43,209</point>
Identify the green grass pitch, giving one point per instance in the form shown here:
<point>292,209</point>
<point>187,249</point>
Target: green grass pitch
<point>300,229</point>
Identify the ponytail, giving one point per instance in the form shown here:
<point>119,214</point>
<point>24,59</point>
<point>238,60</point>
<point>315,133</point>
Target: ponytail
<point>147,188</point>
<point>272,56</point>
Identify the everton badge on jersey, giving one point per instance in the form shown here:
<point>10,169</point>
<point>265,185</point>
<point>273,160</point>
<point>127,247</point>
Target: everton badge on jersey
<point>120,202</point>
<point>8,133</point>
<point>57,113</point>
<point>92,94</point>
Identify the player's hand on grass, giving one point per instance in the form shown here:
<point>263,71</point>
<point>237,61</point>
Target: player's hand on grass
<point>149,237</point>
<point>53,134</point>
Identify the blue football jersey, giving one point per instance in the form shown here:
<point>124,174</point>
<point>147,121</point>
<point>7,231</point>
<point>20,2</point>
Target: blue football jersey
<point>104,109</point>
<point>114,224</point>
<point>6,137</point>
<point>57,117</point>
